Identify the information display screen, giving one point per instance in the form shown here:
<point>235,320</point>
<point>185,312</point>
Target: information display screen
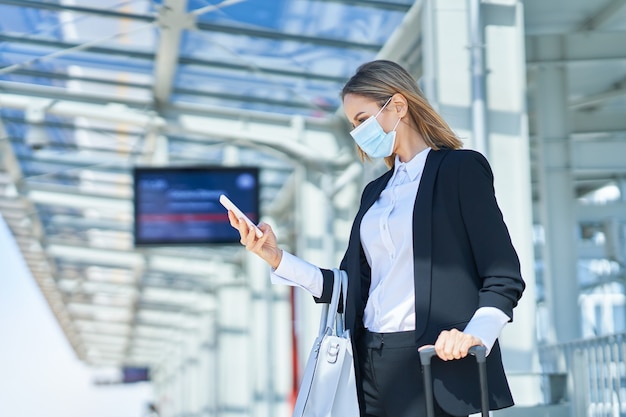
<point>180,205</point>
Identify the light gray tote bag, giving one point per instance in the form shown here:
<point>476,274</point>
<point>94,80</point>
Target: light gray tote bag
<point>328,387</point>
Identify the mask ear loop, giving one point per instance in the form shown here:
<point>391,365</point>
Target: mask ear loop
<point>383,107</point>
<point>397,123</point>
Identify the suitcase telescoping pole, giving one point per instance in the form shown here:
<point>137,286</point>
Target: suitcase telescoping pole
<point>480,352</point>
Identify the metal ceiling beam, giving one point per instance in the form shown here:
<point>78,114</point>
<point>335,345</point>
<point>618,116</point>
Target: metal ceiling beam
<point>73,162</point>
<point>617,90</point>
<point>598,121</point>
<point>67,165</point>
<point>584,47</point>
<point>375,4</point>
<point>176,90</point>
<point>72,198</point>
<point>55,44</point>
<point>110,257</point>
<point>599,156</point>
<point>83,78</point>
<point>173,19</point>
<point>599,213</point>
<point>602,16</point>
<point>286,37</point>
<point>240,98</point>
<point>74,105</point>
<point>82,223</point>
<point>57,7</point>
<point>287,141</point>
<point>229,29</point>
<point>25,91</point>
<point>404,45</point>
<point>247,69</point>
<point>148,261</point>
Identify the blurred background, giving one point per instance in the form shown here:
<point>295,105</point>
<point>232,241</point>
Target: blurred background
<point>123,292</point>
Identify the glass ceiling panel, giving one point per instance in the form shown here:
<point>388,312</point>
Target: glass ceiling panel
<point>278,56</point>
<point>310,18</point>
<point>259,48</point>
<point>241,56</point>
<point>29,33</point>
<point>256,90</point>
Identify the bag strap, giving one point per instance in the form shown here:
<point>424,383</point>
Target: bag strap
<point>334,304</point>
<point>340,321</point>
<point>331,322</point>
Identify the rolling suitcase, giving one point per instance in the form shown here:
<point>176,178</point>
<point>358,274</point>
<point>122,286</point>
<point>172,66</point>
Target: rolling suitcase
<point>480,352</point>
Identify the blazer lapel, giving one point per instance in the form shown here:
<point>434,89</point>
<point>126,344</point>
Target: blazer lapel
<point>373,195</point>
<point>422,239</point>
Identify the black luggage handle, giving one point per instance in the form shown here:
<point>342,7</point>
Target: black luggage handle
<point>480,352</point>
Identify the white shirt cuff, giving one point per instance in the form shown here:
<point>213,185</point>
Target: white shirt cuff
<point>486,324</point>
<point>296,272</point>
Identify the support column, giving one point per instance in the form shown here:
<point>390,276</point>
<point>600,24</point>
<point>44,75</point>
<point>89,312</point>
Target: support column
<point>208,365</point>
<point>557,196</point>
<point>192,369</point>
<point>507,144</point>
<point>233,337</point>
<point>167,403</point>
<point>270,334</point>
<point>509,155</point>
<point>311,245</point>
<point>477,76</point>
<point>173,406</point>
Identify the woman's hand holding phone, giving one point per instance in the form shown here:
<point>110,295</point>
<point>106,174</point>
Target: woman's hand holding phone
<point>260,239</point>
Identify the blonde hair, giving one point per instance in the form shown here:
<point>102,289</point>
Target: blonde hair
<point>380,80</point>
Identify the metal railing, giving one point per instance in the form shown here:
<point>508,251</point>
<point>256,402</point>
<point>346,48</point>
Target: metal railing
<point>595,371</point>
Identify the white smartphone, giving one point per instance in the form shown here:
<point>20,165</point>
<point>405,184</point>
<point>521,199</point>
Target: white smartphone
<point>232,207</point>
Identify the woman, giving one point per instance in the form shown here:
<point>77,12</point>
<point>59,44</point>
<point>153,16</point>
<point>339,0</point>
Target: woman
<point>429,258</point>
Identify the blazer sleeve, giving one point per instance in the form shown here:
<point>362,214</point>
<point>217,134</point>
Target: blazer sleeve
<point>329,281</point>
<point>494,255</point>
<point>327,291</point>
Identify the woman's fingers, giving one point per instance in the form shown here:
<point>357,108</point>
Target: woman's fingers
<point>258,245</point>
<point>251,238</point>
<point>237,224</point>
<point>242,227</point>
<point>454,344</point>
<point>264,246</point>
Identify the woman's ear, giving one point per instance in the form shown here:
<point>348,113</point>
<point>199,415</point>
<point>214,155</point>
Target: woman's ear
<point>399,104</point>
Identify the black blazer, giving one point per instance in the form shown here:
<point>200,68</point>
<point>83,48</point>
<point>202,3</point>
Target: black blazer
<point>463,259</point>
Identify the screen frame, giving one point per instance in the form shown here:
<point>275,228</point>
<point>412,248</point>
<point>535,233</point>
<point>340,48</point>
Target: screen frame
<point>187,170</point>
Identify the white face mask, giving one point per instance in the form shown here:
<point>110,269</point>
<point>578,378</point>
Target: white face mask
<point>372,139</point>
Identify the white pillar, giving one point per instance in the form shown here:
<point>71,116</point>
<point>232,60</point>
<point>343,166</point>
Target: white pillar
<point>311,238</point>
<point>507,144</point>
<point>478,76</point>
<point>510,159</point>
<point>208,365</point>
<point>233,338</point>
<point>193,369</point>
<point>557,200</point>
<point>168,403</point>
<point>270,334</point>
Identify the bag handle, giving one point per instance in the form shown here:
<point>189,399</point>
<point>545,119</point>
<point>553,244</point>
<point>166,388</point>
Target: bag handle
<point>331,322</point>
<point>340,322</point>
<point>334,304</point>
